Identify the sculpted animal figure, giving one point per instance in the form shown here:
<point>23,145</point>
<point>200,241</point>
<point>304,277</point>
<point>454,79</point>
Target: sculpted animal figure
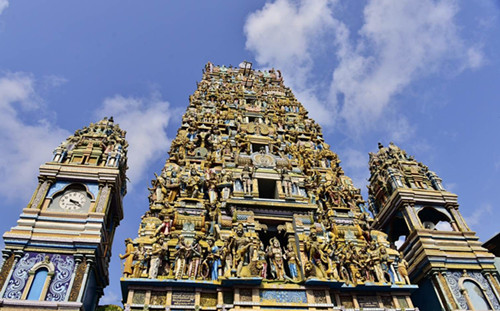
<point>252,270</point>
<point>311,271</point>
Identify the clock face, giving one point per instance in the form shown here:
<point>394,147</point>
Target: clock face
<point>73,200</point>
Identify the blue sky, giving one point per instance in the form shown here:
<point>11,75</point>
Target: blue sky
<point>422,73</point>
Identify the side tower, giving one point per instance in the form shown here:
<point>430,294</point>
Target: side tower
<point>253,212</point>
<point>422,220</point>
<point>57,256</point>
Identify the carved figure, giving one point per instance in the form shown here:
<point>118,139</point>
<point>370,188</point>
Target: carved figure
<point>194,258</point>
<point>246,179</point>
<point>154,259</point>
<point>275,255</point>
<point>403,269</point>
<point>129,258</point>
<point>314,252</point>
<point>291,259</point>
<point>181,254</point>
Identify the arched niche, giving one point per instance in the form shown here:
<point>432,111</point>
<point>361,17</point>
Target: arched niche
<point>40,276</point>
<point>474,294</point>
<point>433,219</point>
<point>397,231</point>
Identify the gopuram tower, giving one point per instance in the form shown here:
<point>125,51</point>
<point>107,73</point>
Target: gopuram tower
<point>453,271</point>
<point>253,212</point>
<point>57,257</point>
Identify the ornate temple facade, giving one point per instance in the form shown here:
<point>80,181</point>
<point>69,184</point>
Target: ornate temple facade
<point>57,257</point>
<point>252,211</point>
<point>452,269</point>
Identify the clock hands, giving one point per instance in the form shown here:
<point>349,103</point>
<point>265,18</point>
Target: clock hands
<point>75,202</point>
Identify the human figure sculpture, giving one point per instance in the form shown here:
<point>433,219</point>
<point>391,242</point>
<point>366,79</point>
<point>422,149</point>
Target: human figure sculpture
<point>376,262</point>
<point>291,259</point>
<point>314,252</point>
<point>214,261</point>
<point>129,258</point>
<point>384,263</point>
<point>181,253</point>
<point>165,226</point>
<point>194,258</point>
<point>155,258</point>
<point>286,181</point>
<point>165,259</point>
<point>330,251</point>
<point>403,269</point>
<point>140,264</point>
<point>239,248</point>
<point>227,258</point>
<point>352,262</point>
<point>275,255</point>
<point>246,179</point>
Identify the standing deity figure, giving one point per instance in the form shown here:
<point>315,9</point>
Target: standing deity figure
<point>330,251</point>
<point>141,262</point>
<point>352,262</point>
<point>291,259</point>
<point>403,269</point>
<point>376,261</point>
<point>173,186</point>
<point>314,251</point>
<point>181,253</point>
<point>275,255</point>
<point>194,258</point>
<point>214,257</point>
<point>227,258</point>
<point>239,248</point>
<point>155,258</point>
<point>165,259</point>
<point>129,258</point>
<point>286,181</point>
<point>384,263</point>
<point>261,257</point>
<point>160,189</point>
<point>212,192</point>
<point>246,179</point>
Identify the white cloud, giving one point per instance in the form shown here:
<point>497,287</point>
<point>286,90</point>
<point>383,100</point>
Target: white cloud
<point>25,144</point>
<point>398,43</point>
<point>145,120</point>
<point>3,5</point>
<point>355,164</point>
<point>483,211</point>
<point>285,34</point>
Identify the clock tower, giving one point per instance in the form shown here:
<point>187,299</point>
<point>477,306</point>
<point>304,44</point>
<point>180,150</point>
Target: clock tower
<point>57,256</point>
